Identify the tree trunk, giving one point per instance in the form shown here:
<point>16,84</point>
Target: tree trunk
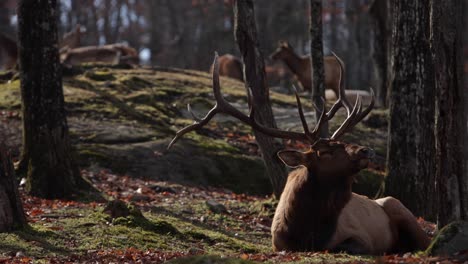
<point>379,11</point>
<point>316,60</point>
<point>451,177</point>
<point>11,210</point>
<point>254,76</point>
<point>46,154</point>
<point>411,153</point>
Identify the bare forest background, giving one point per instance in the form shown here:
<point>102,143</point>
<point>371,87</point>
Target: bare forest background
<point>184,34</point>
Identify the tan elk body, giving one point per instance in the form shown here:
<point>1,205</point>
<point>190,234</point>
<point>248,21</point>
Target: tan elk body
<point>317,209</point>
<point>300,66</point>
<point>9,49</point>
<point>230,66</point>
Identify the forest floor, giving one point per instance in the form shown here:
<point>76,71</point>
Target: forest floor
<point>206,196</point>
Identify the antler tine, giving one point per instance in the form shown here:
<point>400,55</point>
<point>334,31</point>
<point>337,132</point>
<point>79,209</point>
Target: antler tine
<point>342,100</point>
<point>302,117</point>
<point>194,126</point>
<point>340,131</point>
<point>368,109</point>
<point>321,120</point>
<point>189,109</point>
<point>356,118</point>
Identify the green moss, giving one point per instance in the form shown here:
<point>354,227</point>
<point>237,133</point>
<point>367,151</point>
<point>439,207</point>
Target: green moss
<point>10,95</point>
<point>89,154</point>
<point>100,76</point>
<point>451,239</point>
<point>135,83</point>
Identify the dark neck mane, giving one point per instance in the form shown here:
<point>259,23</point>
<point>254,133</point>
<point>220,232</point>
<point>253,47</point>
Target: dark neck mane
<point>315,210</point>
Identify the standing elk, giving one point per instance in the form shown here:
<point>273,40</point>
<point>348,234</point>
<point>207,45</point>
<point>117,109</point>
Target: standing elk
<point>230,66</point>
<point>301,67</point>
<point>317,209</point>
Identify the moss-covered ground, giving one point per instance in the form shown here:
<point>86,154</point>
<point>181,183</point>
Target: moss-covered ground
<point>121,121</point>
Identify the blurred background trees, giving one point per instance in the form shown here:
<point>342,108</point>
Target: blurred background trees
<point>184,34</point>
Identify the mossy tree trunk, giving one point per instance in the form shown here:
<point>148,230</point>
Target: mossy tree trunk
<point>46,154</point>
<point>411,152</point>
<point>254,76</point>
<point>451,120</point>
<point>11,210</point>
<point>316,61</point>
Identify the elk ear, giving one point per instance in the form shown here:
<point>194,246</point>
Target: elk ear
<point>292,158</point>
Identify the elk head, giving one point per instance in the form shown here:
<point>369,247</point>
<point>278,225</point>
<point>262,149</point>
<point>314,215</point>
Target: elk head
<point>321,160</point>
<point>324,153</point>
<point>283,51</point>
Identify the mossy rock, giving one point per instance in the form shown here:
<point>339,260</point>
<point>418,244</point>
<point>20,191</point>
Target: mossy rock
<point>451,239</point>
<point>100,76</point>
<point>209,260</point>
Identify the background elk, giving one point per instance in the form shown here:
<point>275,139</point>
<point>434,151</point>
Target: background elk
<point>230,66</point>
<point>301,67</point>
<point>9,49</point>
<point>317,209</point>
<point>91,54</point>
<point>71,39</point>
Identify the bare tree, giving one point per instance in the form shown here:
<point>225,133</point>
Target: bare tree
<point>11,210</point>
<point>316,61</point>
<point>411,148</point>
<point>451,121</point>
<point>46,155</point>
<point>254,76</point>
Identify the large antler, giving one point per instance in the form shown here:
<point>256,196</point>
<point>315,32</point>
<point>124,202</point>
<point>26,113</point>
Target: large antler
<point>356,114</point>
<point>222,106</point>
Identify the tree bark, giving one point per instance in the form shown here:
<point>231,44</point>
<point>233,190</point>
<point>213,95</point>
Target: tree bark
<point>379,11</point>
<point>316,61</point>
<point>46,154</point>
<point>11,209</point>
<point>254,76</point>
<point>411,153</point>
<point>451,176</point>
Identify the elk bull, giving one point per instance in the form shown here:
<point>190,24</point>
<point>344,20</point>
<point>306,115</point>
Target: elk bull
<point>317,209</point>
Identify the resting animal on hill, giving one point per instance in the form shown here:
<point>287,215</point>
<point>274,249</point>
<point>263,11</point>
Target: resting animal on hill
<point>111,53</point>
<point>9,49</point>
<point>317,209</point>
